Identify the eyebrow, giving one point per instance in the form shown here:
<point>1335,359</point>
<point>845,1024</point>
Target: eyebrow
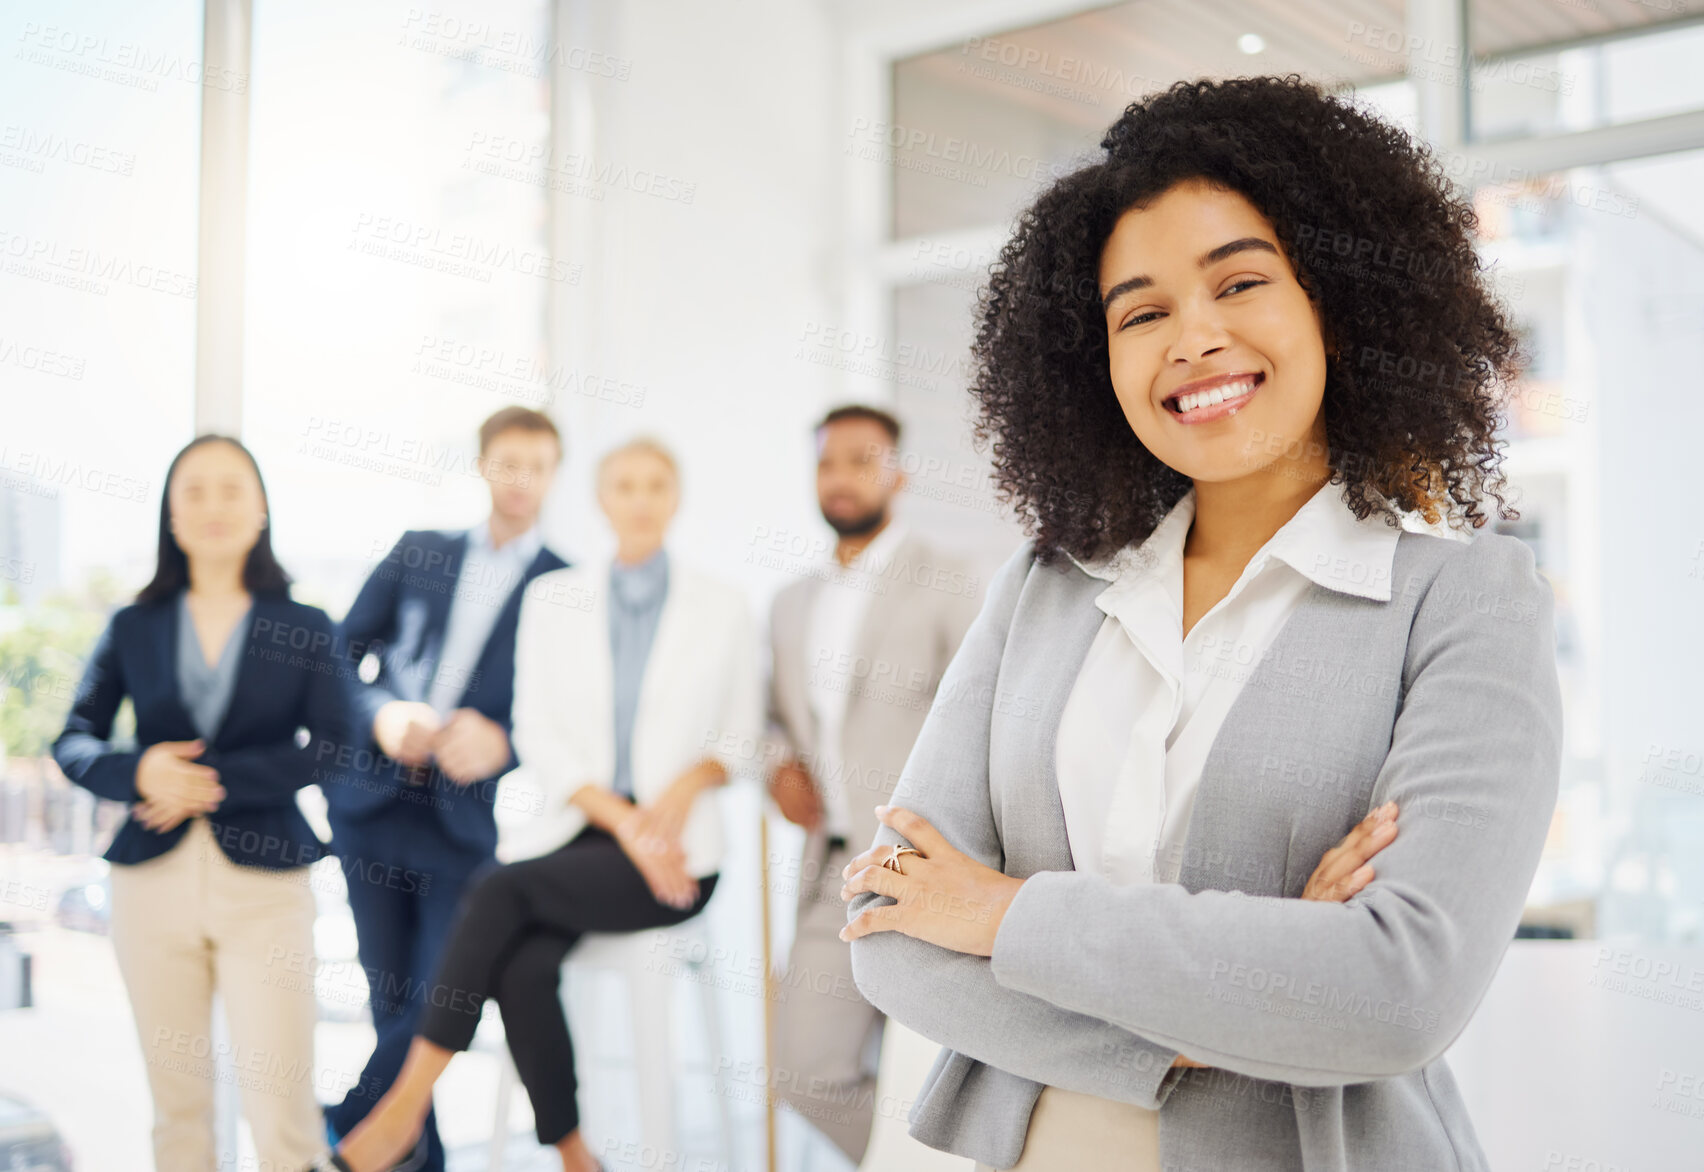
<point>1210,257</point>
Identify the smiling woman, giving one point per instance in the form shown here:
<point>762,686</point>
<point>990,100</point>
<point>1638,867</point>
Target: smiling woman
<point>1225,670</point>
<point>1334,247</point>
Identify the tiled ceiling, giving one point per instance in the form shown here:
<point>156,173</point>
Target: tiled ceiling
<point>1341,42</point>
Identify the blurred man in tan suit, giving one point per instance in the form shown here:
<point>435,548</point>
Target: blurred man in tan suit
<point>859,645</point>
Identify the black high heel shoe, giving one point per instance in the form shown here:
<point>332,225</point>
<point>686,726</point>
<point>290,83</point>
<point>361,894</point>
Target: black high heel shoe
<point>329,1161</point>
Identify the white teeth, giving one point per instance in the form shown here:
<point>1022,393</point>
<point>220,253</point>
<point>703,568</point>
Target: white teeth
<point>1216,395</point>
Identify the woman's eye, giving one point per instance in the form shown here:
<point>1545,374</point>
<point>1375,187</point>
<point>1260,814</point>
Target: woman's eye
<point>1139,319</point>
<point>1246,284</point>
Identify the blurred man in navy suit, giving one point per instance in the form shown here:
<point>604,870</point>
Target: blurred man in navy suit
<point>432,636</point>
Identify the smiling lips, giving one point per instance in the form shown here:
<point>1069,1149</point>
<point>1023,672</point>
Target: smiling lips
<point>1216,398</point>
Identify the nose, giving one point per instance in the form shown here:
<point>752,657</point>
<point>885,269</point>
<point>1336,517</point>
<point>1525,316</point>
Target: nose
<point>1199,333</point>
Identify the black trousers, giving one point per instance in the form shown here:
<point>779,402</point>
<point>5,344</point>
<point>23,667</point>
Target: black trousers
<point>512,930</point>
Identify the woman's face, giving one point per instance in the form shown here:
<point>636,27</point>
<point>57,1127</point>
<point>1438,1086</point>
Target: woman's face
<point>1200,299</point>
<point>216,504</point>
<point>639,495</point>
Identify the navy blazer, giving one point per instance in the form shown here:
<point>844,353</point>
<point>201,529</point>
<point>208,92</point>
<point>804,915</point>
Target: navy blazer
<point>399,619</point>
<point>289,679</point>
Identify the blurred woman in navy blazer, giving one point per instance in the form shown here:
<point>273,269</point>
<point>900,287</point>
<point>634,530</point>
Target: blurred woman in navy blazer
<point>209,876</point>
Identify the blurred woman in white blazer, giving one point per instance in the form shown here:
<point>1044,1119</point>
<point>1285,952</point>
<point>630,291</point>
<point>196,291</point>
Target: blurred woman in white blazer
<point>636,695</point>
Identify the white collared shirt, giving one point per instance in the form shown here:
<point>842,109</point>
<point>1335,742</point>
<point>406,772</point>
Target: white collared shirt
<point>1147,703</point>
<point>488,576</point>
<point>836,618</point>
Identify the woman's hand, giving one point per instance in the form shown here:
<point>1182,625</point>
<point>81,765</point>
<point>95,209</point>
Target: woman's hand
<point>662,820</point>
<point>1343,870</point>
<point>662,864</point>
<point>173,787</point>
<point>944,896</point>
<point>947,898</point>
<point>159,817</point>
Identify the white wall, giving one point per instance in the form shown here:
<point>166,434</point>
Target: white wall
<point>703,303</point>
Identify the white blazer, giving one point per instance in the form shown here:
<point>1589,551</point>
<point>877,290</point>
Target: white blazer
<point>701,696</point>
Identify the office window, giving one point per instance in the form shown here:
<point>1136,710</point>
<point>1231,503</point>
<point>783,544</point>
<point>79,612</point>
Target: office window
<point>398,273</point>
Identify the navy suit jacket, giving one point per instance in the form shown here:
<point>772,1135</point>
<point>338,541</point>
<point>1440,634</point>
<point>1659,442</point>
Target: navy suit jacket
<point>289,679</point>
<point>399,619</point>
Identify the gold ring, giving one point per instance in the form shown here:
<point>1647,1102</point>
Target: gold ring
<point>892,861</point>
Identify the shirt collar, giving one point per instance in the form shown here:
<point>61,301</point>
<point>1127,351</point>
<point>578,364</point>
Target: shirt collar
<point>524,548</point>
<point>639,585</point>
<point>1163,545</point>
<point>874,557</point>
<point>1324,542</point>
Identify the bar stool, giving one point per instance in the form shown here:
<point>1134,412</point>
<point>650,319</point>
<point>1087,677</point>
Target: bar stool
<point>650,962</point>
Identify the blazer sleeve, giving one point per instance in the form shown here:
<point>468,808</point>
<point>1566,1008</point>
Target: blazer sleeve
<point>505,720</point>
<point>371,620</point>
<point>1381,985</point>
<point>263,776</point>
<point>82,750</point>
<point>952,997</point>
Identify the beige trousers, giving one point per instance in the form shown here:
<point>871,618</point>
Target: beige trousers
<point>822,1023</point>
<point>1069,1131</point>
<point>187,924</point>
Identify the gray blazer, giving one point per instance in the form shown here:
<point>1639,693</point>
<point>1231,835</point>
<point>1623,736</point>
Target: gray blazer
<point>918,613</point>
<point>1323,1023</point>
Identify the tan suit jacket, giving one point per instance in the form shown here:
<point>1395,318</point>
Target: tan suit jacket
<point>921,603</point>
<point>920,607</point>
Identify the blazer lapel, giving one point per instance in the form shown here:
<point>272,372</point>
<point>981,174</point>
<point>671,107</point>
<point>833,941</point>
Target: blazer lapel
<point>438,601</point>
<point>864,641</point>
<point>246,690</point>
<point>165,635</point>
<point>788,632</point>
<point>587,700</point>
<point>1329,637</point>
<point>509,614</point>
<point>1063,662</point>
<point>1067,659</point>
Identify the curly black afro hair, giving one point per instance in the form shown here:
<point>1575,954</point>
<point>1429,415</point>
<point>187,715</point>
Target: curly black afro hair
<point>1424,352</point>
